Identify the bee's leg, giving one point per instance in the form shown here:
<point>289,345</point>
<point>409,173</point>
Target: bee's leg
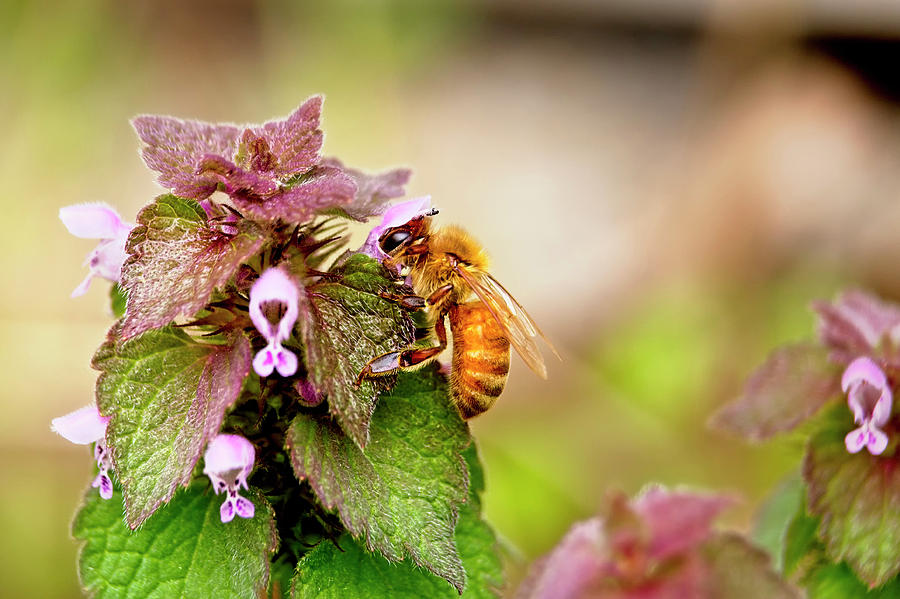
<point>415,302</point>
<point>404,359</point>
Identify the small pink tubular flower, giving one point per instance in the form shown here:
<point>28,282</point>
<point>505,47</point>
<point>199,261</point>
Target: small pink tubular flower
<point>396,215</point>
<point>228,462</point>
<point>869,397</point>
<point>274,307</point>
<point>98,221</point>
<point>84,426</point>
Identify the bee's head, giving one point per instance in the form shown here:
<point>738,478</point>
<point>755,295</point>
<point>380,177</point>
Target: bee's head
<point>396,240</point>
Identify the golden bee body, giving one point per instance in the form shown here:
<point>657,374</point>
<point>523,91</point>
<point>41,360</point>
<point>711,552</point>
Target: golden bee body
<point>449,269</point>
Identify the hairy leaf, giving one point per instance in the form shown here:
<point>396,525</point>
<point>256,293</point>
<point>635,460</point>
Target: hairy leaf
<point>372,191</point>
<point>806,565</point>
<point>322,189</point>
<point>793,384</point>
<point>176,261</point>
<point>184,552</point>
<point>350,571</point>
<point>347,324</point>
<point>403,494</point>
<point>856,497</point>
<point>166,395</point>
<point>175,148</point>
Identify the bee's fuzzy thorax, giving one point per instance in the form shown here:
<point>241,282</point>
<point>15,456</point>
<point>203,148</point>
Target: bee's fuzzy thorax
<point>436,268</point>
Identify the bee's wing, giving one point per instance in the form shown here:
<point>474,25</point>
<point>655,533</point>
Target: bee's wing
<point>519,327</point>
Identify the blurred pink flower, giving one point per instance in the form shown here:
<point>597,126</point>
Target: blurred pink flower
<point>228,462</point>
<point>869,397</point>
<point>98,221</point>
<point>274,294</point>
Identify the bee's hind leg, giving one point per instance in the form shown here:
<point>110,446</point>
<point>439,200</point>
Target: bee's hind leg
<point>404,359</point>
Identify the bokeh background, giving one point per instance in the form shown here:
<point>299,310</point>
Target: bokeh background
<point>665,184</point>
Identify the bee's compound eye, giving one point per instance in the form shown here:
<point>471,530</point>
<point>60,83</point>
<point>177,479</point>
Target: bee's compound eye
<point>392,241</point>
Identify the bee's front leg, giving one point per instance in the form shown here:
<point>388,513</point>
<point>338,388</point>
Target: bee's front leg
<point>405,359</point>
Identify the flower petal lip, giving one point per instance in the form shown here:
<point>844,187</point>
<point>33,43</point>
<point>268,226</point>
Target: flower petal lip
<point>863,369</point>
<point>227,453</point>
<point>274,285</point>
<point>96,220</point>
<point>83,426</point>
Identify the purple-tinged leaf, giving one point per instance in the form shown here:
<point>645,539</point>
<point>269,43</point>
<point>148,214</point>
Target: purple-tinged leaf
<point>740,570</point>
<point>166,396</point>
<point>857,498</point>
<point>176,261</point>
<point>401,497</point>
<point>237,181</point>
<point>792,385</point>
<point>657,546</point>
<point>344,324</point>
<point>174,148</point>
<point>285,147</point>
<point>372,191</point>
<point>321,189</point>
<point>856,324</point>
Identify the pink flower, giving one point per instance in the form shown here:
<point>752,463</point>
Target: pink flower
<point>395,216</point>
<point>869,397</point>
<point>98,221</point>
<point>274,307</point>
<point>228,462</point>
<point>84,426</point>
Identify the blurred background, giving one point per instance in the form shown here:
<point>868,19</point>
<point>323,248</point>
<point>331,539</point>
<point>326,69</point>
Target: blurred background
<point>665,184</point>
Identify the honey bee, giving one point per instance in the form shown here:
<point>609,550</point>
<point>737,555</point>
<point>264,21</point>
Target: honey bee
<point>449,274</point>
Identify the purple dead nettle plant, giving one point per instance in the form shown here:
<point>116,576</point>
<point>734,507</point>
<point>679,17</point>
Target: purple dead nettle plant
<point>659,545</point>
<point>837,394</point>
<point>232,369</point>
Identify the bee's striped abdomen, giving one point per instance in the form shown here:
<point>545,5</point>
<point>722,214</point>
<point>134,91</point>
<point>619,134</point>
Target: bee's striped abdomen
<point>480,358</point>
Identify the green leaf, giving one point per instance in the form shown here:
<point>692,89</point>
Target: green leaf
<point>347,325</point>
<point>176,260</point>
<point>351,571</point>
<point>805,564</point>
<point>857,498</point>
<point>117,299</point>
<point>403,494</point>
<point>186,551</point>
<point>802,550</point>
<point>166,395</point>
<point>793,384</point>
<point>837,581</point>
<point>776,514</point>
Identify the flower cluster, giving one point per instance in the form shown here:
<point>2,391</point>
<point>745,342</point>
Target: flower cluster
<point>275,180</point>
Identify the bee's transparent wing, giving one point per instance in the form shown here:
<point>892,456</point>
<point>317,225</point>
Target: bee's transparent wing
<point>519,327</point>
